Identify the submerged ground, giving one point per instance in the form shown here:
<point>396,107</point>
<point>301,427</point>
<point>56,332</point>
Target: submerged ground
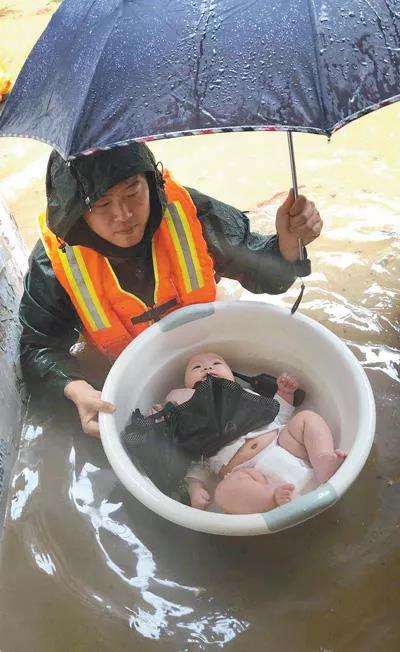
<point>85,567</point>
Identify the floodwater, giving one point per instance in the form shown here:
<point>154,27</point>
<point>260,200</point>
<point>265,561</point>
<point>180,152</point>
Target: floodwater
<point>85,567</point>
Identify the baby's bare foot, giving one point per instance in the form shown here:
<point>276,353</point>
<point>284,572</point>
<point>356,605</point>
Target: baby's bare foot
<point>328,464</point>
<point>284,494</point>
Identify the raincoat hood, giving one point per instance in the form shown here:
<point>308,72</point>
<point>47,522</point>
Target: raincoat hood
<point>72,187</point>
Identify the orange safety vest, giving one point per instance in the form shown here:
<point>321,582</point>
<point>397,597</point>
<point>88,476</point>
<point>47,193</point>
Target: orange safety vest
<point>183,273</point>
<point>5,83</point>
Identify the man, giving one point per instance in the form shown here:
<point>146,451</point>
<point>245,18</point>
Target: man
<point>122,245</point>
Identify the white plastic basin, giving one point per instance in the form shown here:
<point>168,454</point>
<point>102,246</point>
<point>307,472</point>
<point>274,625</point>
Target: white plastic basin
<point>253,337</point>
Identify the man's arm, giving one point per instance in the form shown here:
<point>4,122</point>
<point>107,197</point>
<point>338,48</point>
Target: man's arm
<point>50,326</point>
<point>253,259</point>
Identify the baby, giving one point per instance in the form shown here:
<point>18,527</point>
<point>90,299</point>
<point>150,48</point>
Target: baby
<point>266,467</point>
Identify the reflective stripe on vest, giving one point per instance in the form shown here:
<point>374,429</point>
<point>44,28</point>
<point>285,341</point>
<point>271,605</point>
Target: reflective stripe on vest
<point>78,278</point>
<point>184,245</point>
<point>82,287</point>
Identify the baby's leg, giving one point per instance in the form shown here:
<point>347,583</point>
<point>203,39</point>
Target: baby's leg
<point>308,436</point>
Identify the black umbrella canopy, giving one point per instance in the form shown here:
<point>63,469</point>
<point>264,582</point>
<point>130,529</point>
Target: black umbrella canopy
<point>106,72</point>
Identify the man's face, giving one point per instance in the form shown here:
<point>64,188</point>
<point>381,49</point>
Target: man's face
<point>206,364</point>
<point>121,215</point>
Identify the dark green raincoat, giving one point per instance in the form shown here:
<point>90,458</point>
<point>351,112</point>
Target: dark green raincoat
<point>49,320</point>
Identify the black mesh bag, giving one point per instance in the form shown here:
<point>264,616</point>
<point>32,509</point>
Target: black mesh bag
<point>164,444</point>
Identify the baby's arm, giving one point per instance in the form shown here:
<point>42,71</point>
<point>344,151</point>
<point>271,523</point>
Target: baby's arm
<point>287,386</point>
<point>179,396</point>
<point>175,396</point>
<point>199,496</point>
<point>196,481</point>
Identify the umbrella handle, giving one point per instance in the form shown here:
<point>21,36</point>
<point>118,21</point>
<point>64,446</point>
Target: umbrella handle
<point>294,183</point>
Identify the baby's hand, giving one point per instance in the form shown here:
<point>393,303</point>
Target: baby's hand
<point>287,386</point>
<point>199,497</point>
<point>285,493</point>
<point>156,407</point>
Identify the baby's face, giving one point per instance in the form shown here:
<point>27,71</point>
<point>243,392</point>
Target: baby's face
<point>206,364</point>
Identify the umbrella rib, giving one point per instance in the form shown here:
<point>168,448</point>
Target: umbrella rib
<point>312,14</point>
<point>379,21</point>
<point>196,91</point>
<point>84,97</point>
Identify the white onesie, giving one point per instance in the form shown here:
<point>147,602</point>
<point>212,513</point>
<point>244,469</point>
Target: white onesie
<point>272,460</point>
<point>275,461</point>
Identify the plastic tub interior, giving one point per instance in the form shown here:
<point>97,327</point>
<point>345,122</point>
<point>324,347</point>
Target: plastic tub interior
<point>253,337</point>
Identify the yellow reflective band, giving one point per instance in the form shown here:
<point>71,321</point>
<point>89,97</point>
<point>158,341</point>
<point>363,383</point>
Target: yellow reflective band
<point>179,252</point>
<point>155,267</point>
<point>90,288</point>
<point>42,229</point>
<point>184,246</point>
<point>75,290</point>
<point>192,246</point>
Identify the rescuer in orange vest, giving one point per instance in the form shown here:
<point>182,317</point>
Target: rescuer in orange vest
<point>122,244</point>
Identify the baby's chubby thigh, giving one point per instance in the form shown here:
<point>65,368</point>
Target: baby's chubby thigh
<point>291,436</point>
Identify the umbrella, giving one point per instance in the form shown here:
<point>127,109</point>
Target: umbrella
<point>106,72</point>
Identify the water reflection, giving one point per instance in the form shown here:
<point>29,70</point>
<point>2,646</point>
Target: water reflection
<point>30,481</point>
<point>44,561</point>
<point>385,359</point>
<point>150,613</point>
<point>101,549</point>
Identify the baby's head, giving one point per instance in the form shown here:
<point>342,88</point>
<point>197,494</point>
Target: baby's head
<point>206,364</point>
<point>245,491</point>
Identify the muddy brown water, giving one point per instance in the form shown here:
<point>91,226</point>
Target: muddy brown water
<point>85,567</point>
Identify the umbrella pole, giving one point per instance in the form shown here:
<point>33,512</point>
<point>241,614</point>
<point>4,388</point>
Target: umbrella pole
<point>294,183</point>
<point>296,194</point>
